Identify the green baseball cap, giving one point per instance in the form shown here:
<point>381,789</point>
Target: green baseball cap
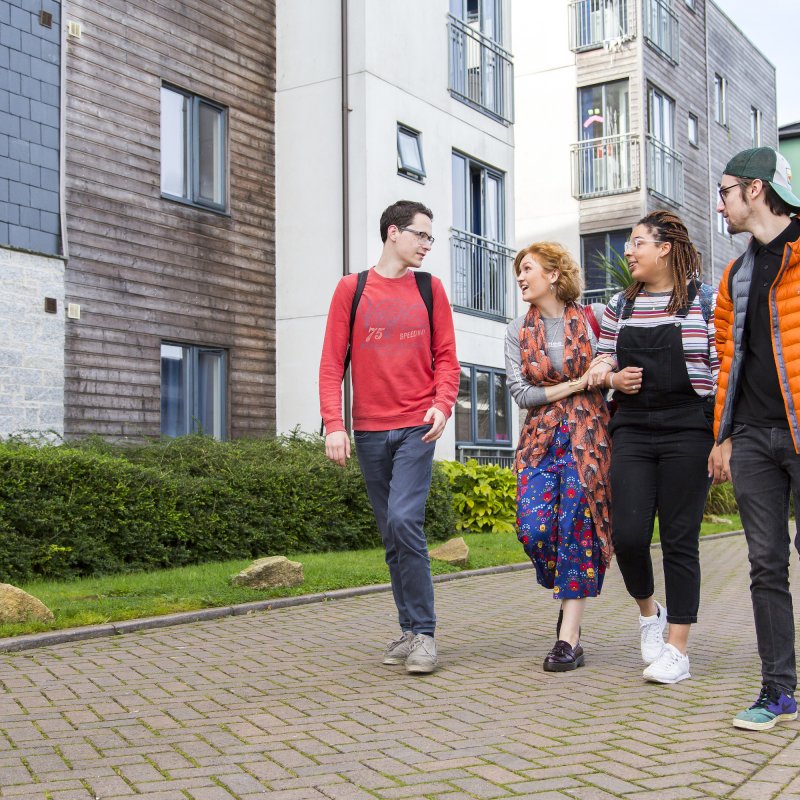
<point>768,165</point>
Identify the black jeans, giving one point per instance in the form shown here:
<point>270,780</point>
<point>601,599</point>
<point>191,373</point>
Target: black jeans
<point>764,470</point>
<point>659,462</point>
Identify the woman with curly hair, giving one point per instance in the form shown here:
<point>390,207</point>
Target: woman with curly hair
<point>659,335</point>
<point>562,459</point>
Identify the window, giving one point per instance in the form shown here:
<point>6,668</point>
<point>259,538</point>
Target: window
<point>193,390</point>
<point>483,408</point>
<point>409,154</point>
<point>755,127</point>
<point>603,110</point>
<point>693,130</point>
<point>596,249</point>
<point>595,22</point>
<point>691,4</point>
<point>661,28</point>
<point>193,160</point>
<point>720,100</point>
<point>481,70</point>
<point>480,260</point>
<point>664,165</point>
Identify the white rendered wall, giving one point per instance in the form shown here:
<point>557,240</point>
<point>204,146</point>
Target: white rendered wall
<point>546,124</point>
<point>390,82</point>
<point>32,344</point>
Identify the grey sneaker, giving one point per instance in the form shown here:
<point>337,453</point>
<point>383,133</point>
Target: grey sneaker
<point>422,658</point>
<point>652,634</point>
<point>397,651</point>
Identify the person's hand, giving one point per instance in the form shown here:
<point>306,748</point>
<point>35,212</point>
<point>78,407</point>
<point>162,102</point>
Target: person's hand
<point>628,380</point>
<point>596,374</point>
<point>719,462</point>
<point>437,421</point>
<point>337,447</point>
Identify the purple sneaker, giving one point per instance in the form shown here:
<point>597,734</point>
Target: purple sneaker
<point>772,707</point>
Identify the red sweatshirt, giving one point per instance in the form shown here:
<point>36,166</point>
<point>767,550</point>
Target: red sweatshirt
<point>394,383</point>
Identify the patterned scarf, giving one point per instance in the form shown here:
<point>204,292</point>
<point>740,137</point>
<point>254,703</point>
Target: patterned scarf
<point>586,414</point>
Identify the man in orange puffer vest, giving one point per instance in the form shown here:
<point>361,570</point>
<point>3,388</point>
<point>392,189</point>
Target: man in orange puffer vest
<point>757,415</point>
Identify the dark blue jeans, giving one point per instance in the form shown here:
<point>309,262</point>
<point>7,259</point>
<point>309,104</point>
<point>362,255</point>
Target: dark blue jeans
<point>765,469</point>
<point>397,468</point>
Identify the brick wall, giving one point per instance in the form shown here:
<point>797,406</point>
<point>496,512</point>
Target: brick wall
<point>32,344</point>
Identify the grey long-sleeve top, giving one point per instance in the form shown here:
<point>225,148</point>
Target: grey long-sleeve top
<point>525,394</point>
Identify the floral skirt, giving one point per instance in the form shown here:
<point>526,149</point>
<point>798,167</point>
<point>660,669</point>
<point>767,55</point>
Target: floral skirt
<point>555,526</point>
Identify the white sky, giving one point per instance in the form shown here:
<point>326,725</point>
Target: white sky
<point>773,26</point>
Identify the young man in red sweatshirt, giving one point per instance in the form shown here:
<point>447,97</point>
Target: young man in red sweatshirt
<point>405,382</point>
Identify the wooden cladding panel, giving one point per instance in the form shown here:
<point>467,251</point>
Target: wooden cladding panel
<point>146,269</point>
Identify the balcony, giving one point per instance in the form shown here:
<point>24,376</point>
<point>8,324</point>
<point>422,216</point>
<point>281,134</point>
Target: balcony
<point>481,72</point>
<point>481,270</point>
<point>593,23</point>
<point>661,29</point>
<point>604,166</point>
<point>664,172</point>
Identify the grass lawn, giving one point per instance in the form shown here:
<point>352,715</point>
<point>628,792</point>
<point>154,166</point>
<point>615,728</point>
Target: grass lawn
<point>120,597</point>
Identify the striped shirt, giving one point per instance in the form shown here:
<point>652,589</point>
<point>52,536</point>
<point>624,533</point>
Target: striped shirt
<point>649,310</point>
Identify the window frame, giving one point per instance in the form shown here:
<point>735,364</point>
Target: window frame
<point>755,126</point>
<point>694,142</point>
<point>191,376</point>
<point>492,441</point>
<point>191,150</point>
<point>409,170</point>
<point>720,100</point>
<point>624,234</point>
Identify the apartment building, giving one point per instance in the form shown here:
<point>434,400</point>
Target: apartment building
<point>400,101</point>
<point>32,316</point>
<point>658,95</point>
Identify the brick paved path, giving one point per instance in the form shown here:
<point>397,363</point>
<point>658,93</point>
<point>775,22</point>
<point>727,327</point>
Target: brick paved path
<point>294,705</point>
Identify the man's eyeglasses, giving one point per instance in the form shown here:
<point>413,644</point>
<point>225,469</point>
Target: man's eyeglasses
<point>633,244</point>
<point>723,190</point>
<point>424,238</point>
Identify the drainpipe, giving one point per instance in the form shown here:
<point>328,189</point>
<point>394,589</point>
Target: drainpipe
<point>712,219</point>
<point>345,192</point>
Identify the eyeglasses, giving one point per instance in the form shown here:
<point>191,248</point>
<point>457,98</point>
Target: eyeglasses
<point>424,238</point>
<point>633,244</point>
<point>723,190</point>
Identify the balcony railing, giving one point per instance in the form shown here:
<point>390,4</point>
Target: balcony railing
<point>501,456</point>
<point>661,28</point>
<point>593,23</point>
<point>598,295</point>
<point>664,171</point>
<point>481,274</point>
<point>608,165</point>
<point>481,72</point>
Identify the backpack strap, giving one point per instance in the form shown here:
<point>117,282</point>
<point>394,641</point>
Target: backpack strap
<point>425,289</point>
<point>588,312</point>
<point>624,306</point>
<point>360,284</point>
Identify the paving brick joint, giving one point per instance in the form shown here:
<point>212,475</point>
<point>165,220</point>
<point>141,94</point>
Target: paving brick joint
<point>294,704</point>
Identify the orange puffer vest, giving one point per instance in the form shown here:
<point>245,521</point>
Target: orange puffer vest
<point>784,307</point>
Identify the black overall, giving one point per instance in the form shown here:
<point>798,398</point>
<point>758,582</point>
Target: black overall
<point>661,438</point>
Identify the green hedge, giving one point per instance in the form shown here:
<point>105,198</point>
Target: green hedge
<point>91,508</point>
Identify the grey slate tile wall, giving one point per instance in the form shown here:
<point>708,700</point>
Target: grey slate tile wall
<point>30,95</point>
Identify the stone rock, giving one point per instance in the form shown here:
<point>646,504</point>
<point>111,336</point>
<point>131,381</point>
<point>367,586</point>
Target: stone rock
<point>270,573</point>
<point>19,606</point>
<point>453,551</point>
<point>715,520</point>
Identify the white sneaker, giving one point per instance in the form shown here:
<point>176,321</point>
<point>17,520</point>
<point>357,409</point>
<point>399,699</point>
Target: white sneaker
<point>422,658</point>
<point>397,651</point>
<point>670,667</point>
<point>652,632</point>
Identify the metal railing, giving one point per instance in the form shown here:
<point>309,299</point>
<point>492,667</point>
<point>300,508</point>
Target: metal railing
<point>593,23</point>
<point>503,457</point>
<point>608,165</point>
<point>598,295</point>
<point>481,270</point>
<point>661,28</point>
<point>481,71</point>
<point>664,171</point>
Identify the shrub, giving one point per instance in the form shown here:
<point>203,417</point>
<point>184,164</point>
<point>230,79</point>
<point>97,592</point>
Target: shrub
<point>484,496</point>
<point>721,500</point>
<point>90,507</point>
